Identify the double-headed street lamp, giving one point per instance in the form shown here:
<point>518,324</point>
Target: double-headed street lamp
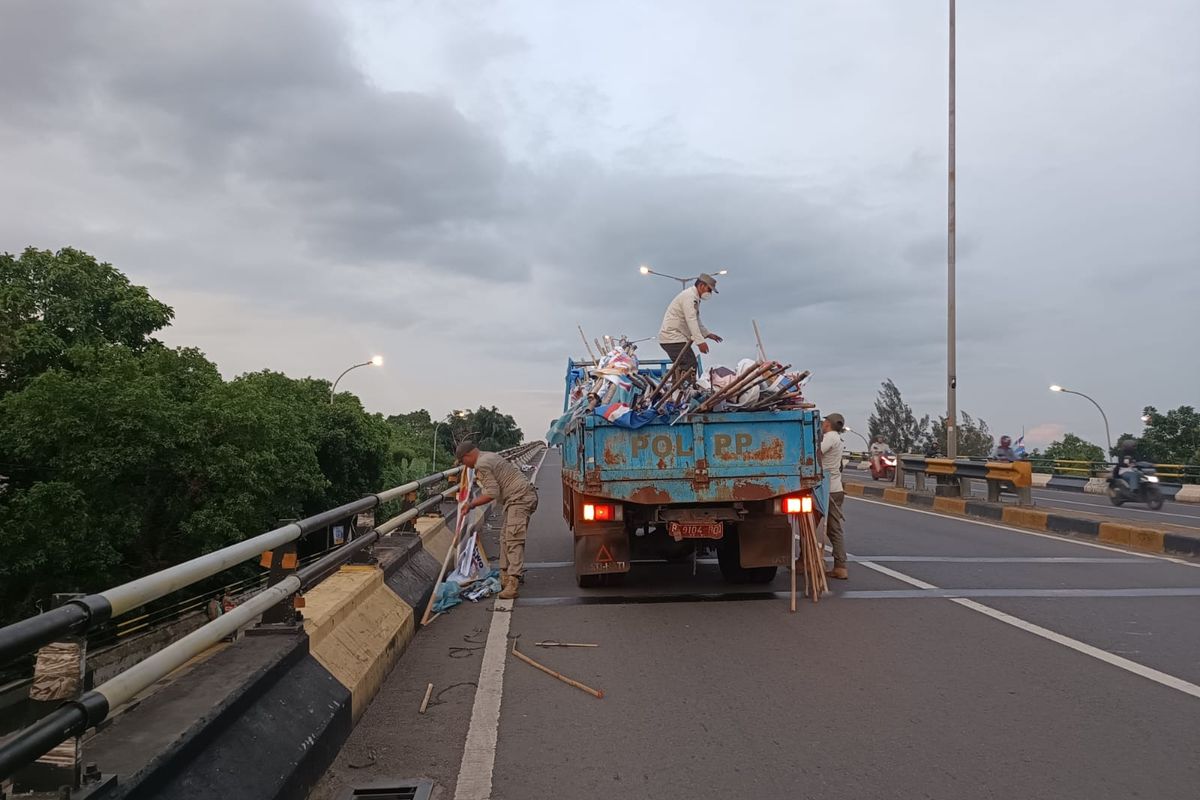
<point>682,281</point>
<point>1107,435</point>
<point>376,361</point>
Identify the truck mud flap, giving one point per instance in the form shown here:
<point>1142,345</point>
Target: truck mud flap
<point>600,551</point>
<point>764,541</point>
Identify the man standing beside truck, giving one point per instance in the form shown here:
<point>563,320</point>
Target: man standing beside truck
<point>500,480</point>
<point>681,325</point>
<point>832,448</point>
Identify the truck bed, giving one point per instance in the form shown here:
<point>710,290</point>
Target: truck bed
<point>706,458</point>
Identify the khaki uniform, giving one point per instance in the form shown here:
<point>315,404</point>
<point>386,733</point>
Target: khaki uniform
<point>681,326</point>
<point>508,486</point>
<point>832,448</point>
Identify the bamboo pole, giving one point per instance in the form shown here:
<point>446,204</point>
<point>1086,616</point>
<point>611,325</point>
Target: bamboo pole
<point>583,336</point>
<point>425,702</point>
<point>460,523</point>
<point>742,382</point>
<point>794,531</point>
<point>597,693</point>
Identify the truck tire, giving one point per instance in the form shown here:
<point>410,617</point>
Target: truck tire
<point>600,581</point>
<point>729,558</point>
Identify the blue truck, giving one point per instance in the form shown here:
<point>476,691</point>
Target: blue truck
<point>720,480</point>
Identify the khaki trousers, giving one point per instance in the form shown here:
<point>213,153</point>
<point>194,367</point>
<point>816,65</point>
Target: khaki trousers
<point>512,539</point>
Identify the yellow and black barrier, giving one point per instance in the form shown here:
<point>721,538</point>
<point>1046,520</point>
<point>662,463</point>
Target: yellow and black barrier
<point>1134,537</point>
<point>954,476</point>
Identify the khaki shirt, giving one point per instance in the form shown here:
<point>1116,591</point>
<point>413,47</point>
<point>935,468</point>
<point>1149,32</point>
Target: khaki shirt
<point>500,480</point>
<point>682,322</point>
<point>831,459</point>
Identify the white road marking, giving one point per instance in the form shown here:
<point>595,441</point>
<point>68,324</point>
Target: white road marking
<point>1191,517</point>
<point>999,560</point>
<point>1051,536</point>
<point>479,754</point>
<point>1170,681</point>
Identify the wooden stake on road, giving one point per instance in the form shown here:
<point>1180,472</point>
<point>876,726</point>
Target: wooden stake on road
<point>425,702</point>
<point>598,694</point>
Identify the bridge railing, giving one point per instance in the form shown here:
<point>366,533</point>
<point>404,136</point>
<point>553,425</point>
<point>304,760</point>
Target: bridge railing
<point>76,617</point>
<point>954,476</point>
<point>1176,473</point>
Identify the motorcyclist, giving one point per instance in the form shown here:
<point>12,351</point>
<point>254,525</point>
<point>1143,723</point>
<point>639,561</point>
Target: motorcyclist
<point>1004,451</point>
<point>1126,467</point>
<point>879,448</point>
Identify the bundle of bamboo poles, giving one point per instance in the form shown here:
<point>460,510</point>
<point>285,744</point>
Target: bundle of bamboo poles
<point>812,559</point>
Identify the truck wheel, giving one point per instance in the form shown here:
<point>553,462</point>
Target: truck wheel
<point>730,561</point>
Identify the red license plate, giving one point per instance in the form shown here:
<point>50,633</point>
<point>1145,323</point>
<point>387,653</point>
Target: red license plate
<point>696,530</point>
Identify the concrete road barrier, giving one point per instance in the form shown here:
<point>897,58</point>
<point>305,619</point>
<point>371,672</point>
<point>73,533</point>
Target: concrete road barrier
<point>266,717</point>
<point>1135,537</point>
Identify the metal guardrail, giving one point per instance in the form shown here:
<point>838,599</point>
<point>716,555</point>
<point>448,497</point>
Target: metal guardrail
<point>1178,473</point>
<point>954,476</point>
<point>75,717</point>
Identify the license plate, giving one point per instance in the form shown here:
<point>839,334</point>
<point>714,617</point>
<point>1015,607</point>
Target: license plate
<point>696,530</point>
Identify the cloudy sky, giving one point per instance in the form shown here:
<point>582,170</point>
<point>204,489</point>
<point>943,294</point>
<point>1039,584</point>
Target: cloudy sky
<point>457,185</point>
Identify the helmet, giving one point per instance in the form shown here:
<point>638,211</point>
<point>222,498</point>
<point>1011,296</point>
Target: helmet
<point>1005,441</point>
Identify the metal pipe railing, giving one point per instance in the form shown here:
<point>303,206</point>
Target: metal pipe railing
<point>73,718</point>
<point>82,614</point>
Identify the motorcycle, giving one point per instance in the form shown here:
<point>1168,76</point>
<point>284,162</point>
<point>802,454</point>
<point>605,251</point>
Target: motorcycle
<point>883,467</point>
<point>1148,492</point>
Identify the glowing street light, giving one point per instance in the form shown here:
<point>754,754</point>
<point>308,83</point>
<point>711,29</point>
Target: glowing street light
<point>1107,435</point>
<point>376,361</point>
<point>682,281</point>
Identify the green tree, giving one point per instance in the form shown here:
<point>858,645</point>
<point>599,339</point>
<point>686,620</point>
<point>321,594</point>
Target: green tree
<point>52,302</point>
<point>974,438</point>
<point>123,456</point>
<point>1073,448</point>
<point>1170,438</point>
<point>894,420</point>
<point>489,428</point>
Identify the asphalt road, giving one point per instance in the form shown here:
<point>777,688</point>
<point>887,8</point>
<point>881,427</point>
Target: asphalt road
<point>961,660</point>
<point>1181,514</point>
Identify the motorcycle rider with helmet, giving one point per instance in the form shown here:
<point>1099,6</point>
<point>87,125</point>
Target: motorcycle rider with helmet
<point>1004,451</point>
<point>1126,466</point>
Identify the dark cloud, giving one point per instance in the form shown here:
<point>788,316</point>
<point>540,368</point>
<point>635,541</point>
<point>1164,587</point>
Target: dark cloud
<point>238,147</point>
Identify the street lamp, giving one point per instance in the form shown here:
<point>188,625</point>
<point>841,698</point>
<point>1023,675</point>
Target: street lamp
<point>682,281</point>
<point>433,453</point>
<point>859,435</point>
<point>1107,435</point>
<point>376,361</point>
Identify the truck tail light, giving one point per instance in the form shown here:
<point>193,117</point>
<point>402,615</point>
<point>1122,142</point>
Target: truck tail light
<point>801,504</point>
<point>598,512</point>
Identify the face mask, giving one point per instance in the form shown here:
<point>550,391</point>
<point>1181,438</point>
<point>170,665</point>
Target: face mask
<point>705,296</point>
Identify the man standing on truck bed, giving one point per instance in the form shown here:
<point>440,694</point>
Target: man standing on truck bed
<point>681,325</point>
<point>503,482</point>
<point>831,464</point>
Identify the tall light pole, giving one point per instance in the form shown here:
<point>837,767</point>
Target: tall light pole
<point>682,281</point>
<point>1107,435</point>
<point>376,361</point>
<point>951,322</point>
